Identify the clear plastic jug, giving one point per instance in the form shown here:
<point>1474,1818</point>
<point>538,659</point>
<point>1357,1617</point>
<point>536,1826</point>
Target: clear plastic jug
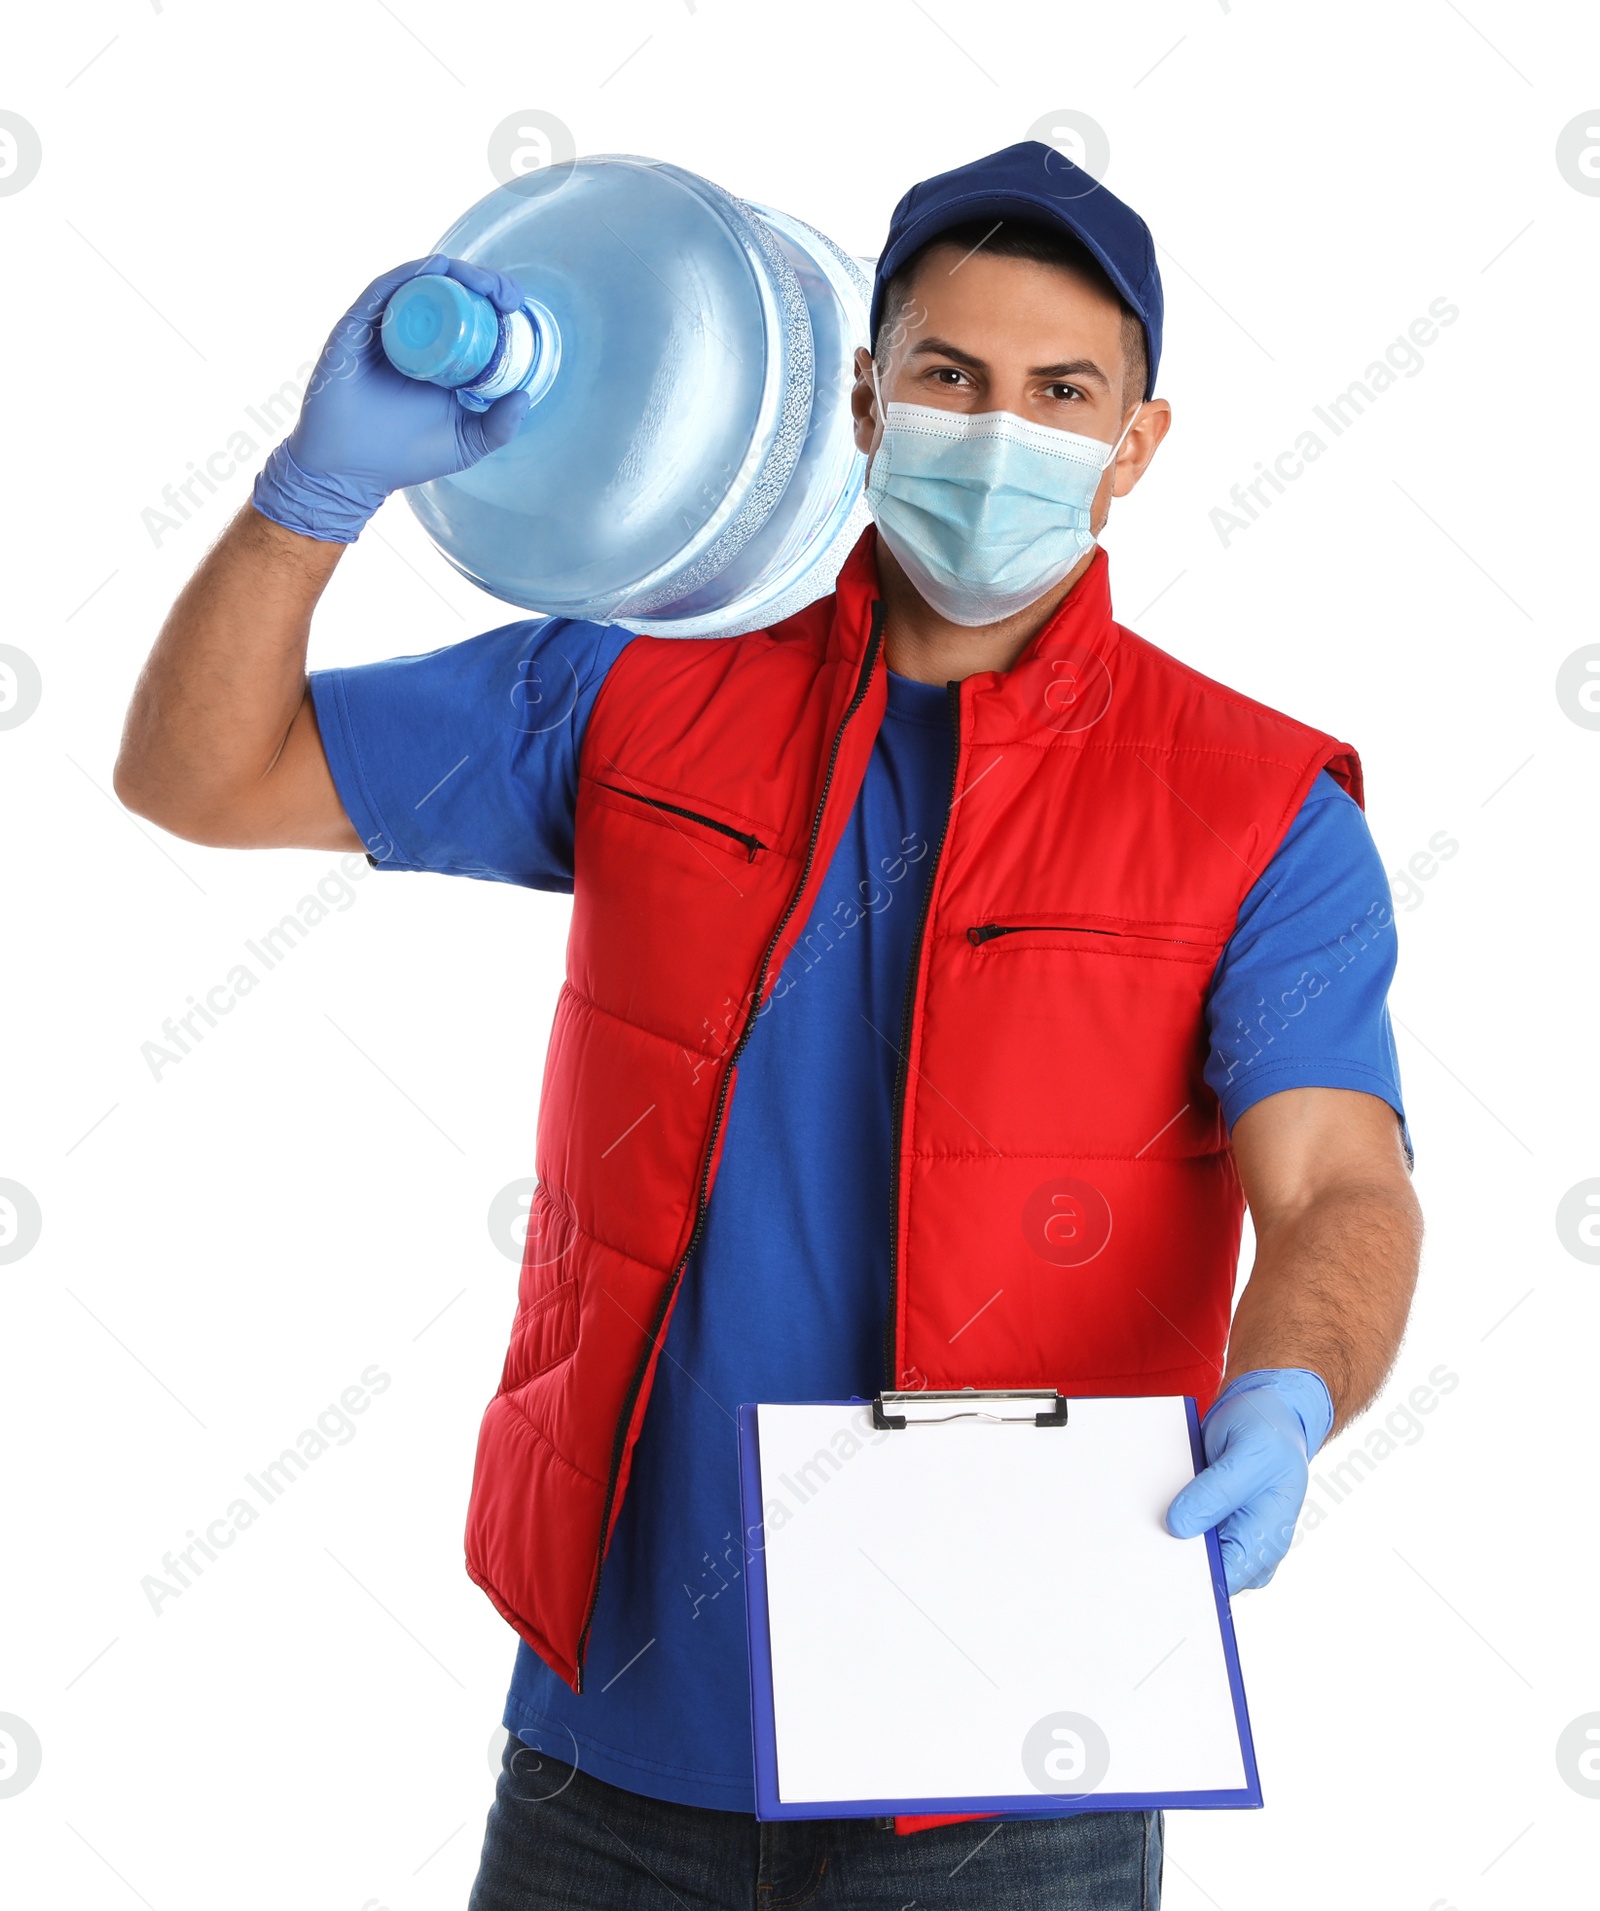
<point>687,467</point>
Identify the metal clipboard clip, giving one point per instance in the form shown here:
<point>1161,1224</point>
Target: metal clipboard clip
<point>1048,1409</point>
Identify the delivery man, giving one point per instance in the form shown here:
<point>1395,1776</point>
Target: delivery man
<point>948,968</point>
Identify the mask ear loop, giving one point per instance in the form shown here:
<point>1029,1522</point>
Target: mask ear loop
<point>1111,456</point>
<point>879,408</point>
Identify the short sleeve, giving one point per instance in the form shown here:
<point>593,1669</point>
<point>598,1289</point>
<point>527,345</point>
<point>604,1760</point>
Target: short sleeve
<point>1300,996</point>
<point>465,761</point>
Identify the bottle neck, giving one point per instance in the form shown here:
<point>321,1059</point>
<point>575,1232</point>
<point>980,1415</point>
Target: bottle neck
<point>526,358</point>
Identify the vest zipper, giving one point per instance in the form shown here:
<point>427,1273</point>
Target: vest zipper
<point>874,641</point>
<point>751,843</point>
<point>890,1352</point>
<point>984,932</point>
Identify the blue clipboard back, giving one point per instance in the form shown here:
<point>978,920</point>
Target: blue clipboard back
<point>770,1807</point>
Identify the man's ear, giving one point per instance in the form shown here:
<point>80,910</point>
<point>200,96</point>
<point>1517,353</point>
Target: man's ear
<point>1131,462</point>
<point>863,403</point>
<point>1139,447</point>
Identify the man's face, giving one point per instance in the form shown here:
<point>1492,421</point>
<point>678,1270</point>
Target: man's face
<point>983,333</point>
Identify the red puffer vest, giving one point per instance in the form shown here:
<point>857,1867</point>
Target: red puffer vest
<point>1067,1211</point>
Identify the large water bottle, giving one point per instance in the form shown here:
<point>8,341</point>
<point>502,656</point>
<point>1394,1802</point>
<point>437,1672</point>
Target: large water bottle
<point>687,468</point>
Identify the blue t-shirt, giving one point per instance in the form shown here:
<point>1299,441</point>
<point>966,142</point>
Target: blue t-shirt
<point>465,761</point>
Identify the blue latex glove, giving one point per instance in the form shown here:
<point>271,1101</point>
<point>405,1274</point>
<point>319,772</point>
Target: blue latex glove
<point>1259,1437</point>
<point>365,429</point>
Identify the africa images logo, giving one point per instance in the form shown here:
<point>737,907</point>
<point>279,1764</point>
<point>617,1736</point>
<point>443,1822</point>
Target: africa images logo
<point>1066,1221</point>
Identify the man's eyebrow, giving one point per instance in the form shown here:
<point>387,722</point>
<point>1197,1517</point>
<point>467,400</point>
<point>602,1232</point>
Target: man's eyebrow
<point>1072,368</point>
<point>942,348</point>
<point>1067,368</point>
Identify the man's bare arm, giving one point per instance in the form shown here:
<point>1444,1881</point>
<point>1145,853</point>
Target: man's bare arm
<point>221,742</point>
<point>1338,1239</point>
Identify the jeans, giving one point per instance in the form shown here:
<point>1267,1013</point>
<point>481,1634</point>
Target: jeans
<point>559,1838</point>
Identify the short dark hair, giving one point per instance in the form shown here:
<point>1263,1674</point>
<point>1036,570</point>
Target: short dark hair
<point>1044,245</point>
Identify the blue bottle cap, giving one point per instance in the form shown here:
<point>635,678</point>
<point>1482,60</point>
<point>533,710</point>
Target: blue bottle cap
<point>436,330</point>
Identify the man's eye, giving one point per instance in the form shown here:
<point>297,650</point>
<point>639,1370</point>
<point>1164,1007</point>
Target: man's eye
<point>1065,391</point>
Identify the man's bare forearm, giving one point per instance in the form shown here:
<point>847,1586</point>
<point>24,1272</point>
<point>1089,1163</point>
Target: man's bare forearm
<point>223,695</point>
<point>1331,1289</point>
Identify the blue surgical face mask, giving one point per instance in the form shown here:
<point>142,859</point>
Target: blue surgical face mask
<point>985,513</point>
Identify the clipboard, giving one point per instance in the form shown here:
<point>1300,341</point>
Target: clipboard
<point>935,1668</point>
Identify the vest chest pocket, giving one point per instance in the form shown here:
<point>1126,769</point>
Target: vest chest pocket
<point>694,824</point>
<point>1094,1035</point>
<point>1015,935</point>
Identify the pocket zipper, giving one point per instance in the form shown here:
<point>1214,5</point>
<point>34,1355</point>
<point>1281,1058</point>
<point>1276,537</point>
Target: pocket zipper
<point>751,843</point>
<point>983,932</point>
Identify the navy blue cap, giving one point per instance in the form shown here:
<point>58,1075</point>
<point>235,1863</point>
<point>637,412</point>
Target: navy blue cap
<point>1033,181</point>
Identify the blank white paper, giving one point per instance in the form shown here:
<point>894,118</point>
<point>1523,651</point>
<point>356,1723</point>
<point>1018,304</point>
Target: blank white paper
<point>935,1594</point>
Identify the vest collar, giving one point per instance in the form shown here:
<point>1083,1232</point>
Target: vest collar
<point>854,594</point>
<point>1062,681</point>
<point>1061,685</point>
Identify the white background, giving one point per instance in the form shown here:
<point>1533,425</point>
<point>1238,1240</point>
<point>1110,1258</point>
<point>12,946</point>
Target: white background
<point>225,1249</point>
